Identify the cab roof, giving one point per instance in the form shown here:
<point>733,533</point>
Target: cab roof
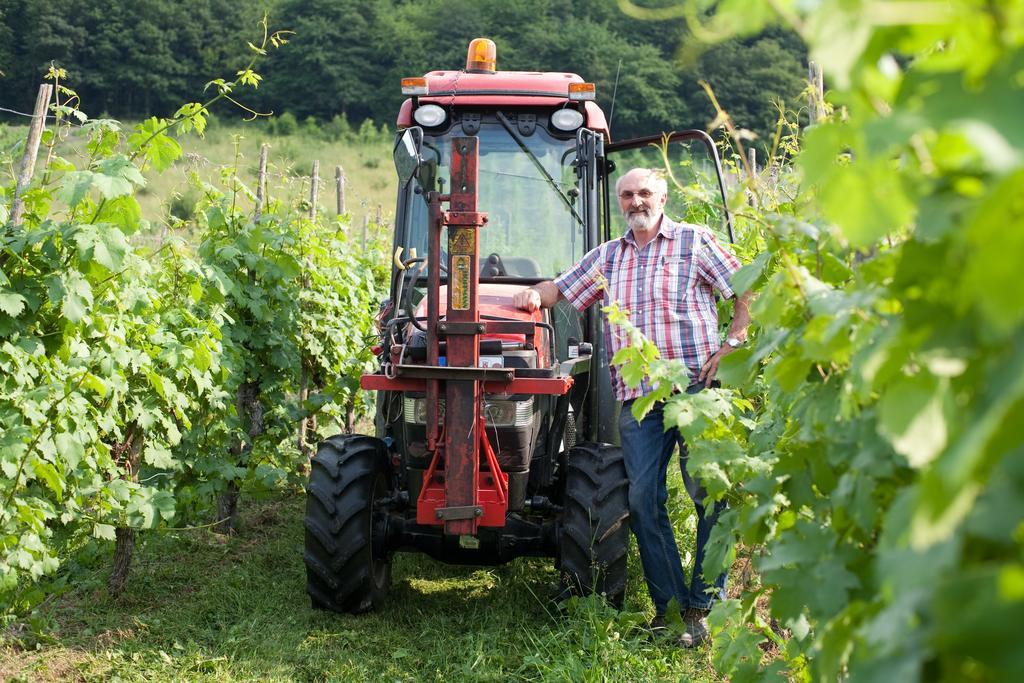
<point>503,88</point>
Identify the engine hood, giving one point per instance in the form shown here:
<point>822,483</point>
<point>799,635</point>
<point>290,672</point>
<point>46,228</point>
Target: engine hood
<point>496,300</point>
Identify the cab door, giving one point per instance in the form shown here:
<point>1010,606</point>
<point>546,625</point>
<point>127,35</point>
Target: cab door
<point>692,168</point>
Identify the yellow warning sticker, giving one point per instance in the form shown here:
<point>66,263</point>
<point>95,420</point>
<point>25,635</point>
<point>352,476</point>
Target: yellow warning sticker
<point>462,270</point>
<point>461,241</point>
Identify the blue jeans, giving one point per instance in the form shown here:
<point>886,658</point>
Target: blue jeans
<point>647,449</point>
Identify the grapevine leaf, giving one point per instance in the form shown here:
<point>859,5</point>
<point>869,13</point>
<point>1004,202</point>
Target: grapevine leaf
<point>70,449</point>
<point>837,39</point>
<point>105,531</point>
<point>201,357</point>
<point>631,365</point>
<point>152,142</point>
<point>110,249</point>
<point>12,303</point>
<point>148,506</point>
<point>12,446</point>
<point>834,270</point>
<point>1011,583</point>
<point>119,490</point>
<point>49,475</point>
<point>124,212</point>
<point>643,405</point>
<point>744,278</point>
<point>77,296</point>
<point>147,511</point>
<point>191,116</point>
<point>288,266</point>
<point>997,237</point>
<point>911,417</point>
<point>162,152</point>
<point>94,384</point>
<point>117,177</point>
<point>788,371</point>
<point>103,244</point>
<point>165,504</point>
<point>866,200</point>
<point>158,455</point>
<point>720,551</point>
<point>734,369</point>
<point>75,187</point>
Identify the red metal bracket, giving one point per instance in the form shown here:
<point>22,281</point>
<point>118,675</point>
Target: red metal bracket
<point>477,218</point>
<point>491,493</point>
<point>555,386</point>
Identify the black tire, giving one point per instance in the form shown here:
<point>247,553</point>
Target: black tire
<point>594,533</point>
<point>344,571</point>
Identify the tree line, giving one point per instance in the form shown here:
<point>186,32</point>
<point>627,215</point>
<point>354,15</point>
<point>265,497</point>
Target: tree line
<point>135,59</point>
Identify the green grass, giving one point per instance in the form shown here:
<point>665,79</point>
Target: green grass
<point>200,607</point>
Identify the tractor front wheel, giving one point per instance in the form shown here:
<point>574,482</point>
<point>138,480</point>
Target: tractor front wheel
<point>594,532</point>
<point>344,570</point>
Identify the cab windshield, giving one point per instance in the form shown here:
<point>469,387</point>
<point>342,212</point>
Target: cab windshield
<point>534,227</point>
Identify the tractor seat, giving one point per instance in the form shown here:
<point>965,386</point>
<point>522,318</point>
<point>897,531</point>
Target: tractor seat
<point>512,266</point>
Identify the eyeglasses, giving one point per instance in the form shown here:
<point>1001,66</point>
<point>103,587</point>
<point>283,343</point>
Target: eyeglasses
<point>627,195</point>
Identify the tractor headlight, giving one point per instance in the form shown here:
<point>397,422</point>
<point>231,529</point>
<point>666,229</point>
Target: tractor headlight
<point>567,119</point>
<point>508,413</point>
<point>414,410</point>
<point>429,115</point>
<point>497,412</point>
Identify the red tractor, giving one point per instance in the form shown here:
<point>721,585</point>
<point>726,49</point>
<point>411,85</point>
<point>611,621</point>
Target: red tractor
<point>495,427</point>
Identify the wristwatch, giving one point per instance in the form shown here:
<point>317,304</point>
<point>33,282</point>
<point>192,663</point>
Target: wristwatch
<point>733,342</point>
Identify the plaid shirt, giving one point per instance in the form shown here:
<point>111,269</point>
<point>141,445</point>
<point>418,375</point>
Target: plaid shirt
<point>668,288</point>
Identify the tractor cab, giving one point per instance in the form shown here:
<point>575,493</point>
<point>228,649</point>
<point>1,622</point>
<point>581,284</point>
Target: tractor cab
<point>527,180</point>
<point>496,427</point>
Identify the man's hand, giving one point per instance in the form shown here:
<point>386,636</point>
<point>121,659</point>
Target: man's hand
<point>541,295</point>
<point>737,330</point>
<point>710,368</point>
<point>527,299</point>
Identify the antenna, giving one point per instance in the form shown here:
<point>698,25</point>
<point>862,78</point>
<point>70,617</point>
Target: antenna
<point>615,90</point>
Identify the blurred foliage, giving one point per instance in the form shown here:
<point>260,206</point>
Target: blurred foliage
<point>869,442</point>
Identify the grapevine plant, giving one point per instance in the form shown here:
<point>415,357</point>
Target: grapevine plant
<point>868,442</point>
<point>138,385</point>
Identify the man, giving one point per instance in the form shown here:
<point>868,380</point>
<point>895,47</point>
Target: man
<point>665,273</point>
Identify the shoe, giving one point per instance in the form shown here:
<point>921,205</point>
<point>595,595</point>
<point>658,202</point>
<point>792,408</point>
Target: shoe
<point>696,626</point>
<point>657,626</point>
<point>659,630</point>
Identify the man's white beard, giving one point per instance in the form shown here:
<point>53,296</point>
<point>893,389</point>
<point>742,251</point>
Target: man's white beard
<point>640,221</point>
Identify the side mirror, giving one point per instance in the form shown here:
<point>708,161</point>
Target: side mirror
<point>407,154</point>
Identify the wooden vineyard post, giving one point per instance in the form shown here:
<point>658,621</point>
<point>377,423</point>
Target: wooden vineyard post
<point>314,189</point>
<point>752,171</point>
<point>261,183</point>
<point>304,423</point>
<point>816,96</point>
<point>28,159</point>
<point>339,184</point>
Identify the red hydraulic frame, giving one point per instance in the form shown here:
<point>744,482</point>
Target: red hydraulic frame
<point>457,493</point>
